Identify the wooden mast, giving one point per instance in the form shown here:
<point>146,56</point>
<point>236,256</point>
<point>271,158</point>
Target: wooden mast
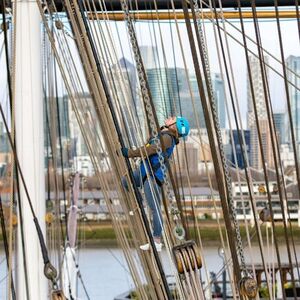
<point>30,147</point>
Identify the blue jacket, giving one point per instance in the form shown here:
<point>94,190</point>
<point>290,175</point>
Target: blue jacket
<point>154,161</point>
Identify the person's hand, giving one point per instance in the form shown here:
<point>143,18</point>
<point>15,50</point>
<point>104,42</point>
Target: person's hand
<point>125,152</point>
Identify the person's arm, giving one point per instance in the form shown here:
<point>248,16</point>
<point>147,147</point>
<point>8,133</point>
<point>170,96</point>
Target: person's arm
<point>150,149</point>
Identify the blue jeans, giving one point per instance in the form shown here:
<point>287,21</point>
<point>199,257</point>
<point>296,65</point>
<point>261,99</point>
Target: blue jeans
<point>152,194</point>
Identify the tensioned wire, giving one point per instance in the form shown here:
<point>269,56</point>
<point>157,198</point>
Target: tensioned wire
<point>266,273</point>
<point>252,52</point>
<point>257,122</point>
<point>135,121</point>
<point>230,126</point>
<point>13,168</point>
<point>180,184</point>
<point>58,217</point>
<point>137,58</point>
<point>212,20</point>
<point>207,72</point>
<point>175,107</point>
<point>122,91</point>
<point>170,96</point>
<point>51,130</point>
<point>237,102</point>
<point>210,186</point>
<point>118,91</point>
<point>279,156</point>
<point>241,140</point>
<point>174,98</point>
<point>207,76</point>
<point>119,73</point>
<point>62,164</point>
<point>200,137</point>
<point>194,110</point>
<point>52,234</point>
<point>11,93</point>
<point>272,130</point>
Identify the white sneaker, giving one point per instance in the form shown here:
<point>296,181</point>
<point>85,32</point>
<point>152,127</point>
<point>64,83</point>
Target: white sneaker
<point>146,247</point>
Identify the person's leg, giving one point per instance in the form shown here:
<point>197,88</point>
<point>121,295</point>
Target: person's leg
<point>152,194</point>
<point>137,179</point>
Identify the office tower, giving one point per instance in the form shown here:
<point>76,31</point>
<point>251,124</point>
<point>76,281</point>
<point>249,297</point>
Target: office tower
<point>125,91</point>
<point>238,149</point>
<point>255,153</point>
<point>129,76</point>
<point>257,161</point>
<point>165,85</point>
<point>258,92</point>
<point>150,57</point>
<point>219,95</point>
<point>188,106</point>
<point>293,70</point>
<point>279,119</point>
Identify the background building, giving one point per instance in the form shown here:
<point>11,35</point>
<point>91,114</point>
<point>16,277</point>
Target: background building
<point>238,147</point>
<point>279,119</point>
<point>219,93</point>
<point>293,63</point>
<point>255,153</point>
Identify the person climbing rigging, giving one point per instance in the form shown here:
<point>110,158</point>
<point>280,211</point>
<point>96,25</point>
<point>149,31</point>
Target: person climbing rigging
<point>150,174</point>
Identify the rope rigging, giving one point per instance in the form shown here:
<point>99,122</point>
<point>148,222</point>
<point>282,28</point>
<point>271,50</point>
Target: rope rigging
<point>106,118</point>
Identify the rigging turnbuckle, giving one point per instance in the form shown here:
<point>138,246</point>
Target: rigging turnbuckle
<point>187,257</point>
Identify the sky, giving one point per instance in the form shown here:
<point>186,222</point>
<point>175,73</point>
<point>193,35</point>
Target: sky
<point>146,33</point>
<point>152,34</point>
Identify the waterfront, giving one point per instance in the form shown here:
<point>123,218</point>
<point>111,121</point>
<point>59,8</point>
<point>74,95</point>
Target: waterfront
<point>104,271</point>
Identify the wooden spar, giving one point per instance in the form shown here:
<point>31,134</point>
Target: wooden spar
<point>134,5</point>
<point>139,16</point>
<point>30,148</point>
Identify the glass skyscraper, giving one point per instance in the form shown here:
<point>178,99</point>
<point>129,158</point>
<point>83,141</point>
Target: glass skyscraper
<point>165,85</point>
<point>293,63</point>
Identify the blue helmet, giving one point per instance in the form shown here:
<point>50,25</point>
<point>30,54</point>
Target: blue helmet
<point>183,126</point>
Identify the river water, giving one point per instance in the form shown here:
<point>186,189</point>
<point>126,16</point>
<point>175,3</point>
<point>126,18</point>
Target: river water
<point>105,272</point>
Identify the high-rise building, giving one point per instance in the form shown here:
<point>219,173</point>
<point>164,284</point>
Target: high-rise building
<point>258,92</point>
<point>219,95</point>
<point>255,153</point>
<point>279,119</point>
<point>188,107</point>
<point>150,57</point>
<point>293,64</point>
<point>125,89</point>
<point>165,85</point>
<point>257,161</point>
<point>129,76</point>
<point>239,149</point>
